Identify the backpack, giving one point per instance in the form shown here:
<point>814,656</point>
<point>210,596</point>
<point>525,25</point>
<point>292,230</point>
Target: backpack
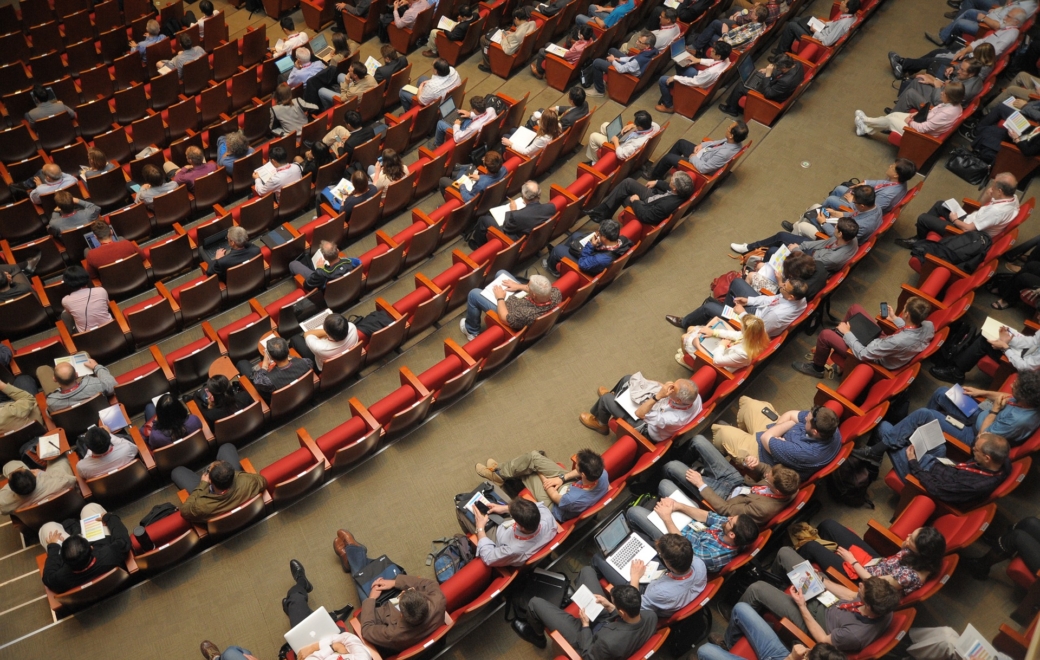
<point>965,251</point>
<point>496,102</point>
<point>158,512</point>
<point>961,335</point>
<point>450,559</point>
<point>850,482</point>
<point>586,77</point>
<point>553,587</point>
<point>170,27</point>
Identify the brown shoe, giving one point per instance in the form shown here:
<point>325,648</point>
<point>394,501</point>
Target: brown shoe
<point>209,650</point>
<point>429,53</point>
<point>488,473</point>
<point>536,73</point>
<point>660,107</point>
<point>590,421</point>
<point>339,545</point>
<point>603,390</point>
<point>1014,268</point>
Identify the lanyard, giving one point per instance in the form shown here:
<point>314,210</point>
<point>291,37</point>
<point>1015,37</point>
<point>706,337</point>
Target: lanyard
<point>967,468</point>
<point>887,184</point>
<point>766,491</point>
<point>715,535</point>
<point>680,578</point>
<point>93,560</point>
<point>852,606</point>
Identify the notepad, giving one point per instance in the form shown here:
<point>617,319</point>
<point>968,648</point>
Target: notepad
<point>991,329</point>
<point>972,646</point>
<point>465,181</point>
<point>489,290</point>
<point>956,210</point>
<point>816,24</point>
<point>711,345</point>
<point>163,70</point>
<point>556,49</point>
<point>92,528</point>
<point>521,138</point>
<point>499,212</point>
<point>1016,125</point>
<point>371,64</point>
<point>446,24</point>
<point>806,580</point>
<point>728,313</point>
<point>586,600</point>
<point>49,446</point>
<point>266,172</point>
<point>113,418</point>
<point>411,89</point>
<point>497,37</point>
<point>927,438</point>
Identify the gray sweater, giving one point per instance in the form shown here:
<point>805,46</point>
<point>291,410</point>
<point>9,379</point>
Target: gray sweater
<point>829,254</point>
<point>99,383</point>
<point>893,351</point>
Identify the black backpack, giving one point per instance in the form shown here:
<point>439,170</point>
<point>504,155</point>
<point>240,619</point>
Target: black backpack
<point>961,335</point>
<point>965,251</point>
<point>850,482</point>
<point>496,102</point>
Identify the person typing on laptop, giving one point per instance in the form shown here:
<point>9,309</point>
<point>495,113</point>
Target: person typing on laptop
<point>683,579</point>
<point>566,493</point>
<point>628,141</point>
<point>913,334</point>
<point>333,643</point>
<point>517,540</point>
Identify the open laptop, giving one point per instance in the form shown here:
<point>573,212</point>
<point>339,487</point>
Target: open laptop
<point>214,242</point>
<point>449,113</point>
<point>746,69</point>
<point>621,546</point>
<point>319,624</point>
<point>320,47</point>
<point>315,322</point>
<point>284,64</point>
<point>614,128</point>
<point>679,54</point>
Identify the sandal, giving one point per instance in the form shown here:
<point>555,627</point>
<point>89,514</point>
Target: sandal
<point>1000,304</point>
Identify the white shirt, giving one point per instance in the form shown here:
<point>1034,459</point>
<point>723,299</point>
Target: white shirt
<point>733,357</point>
<point>122,453</point>
<point>993,217</point>
<point>633,140</point>
<point>356,649</point>
<point>664,419</point>
<point>776,312</point>
<point>665,36</point>
<point>285,175</point>
<point>290,43</point>
<point>326,349</point>
<point>438,87</point>
<point>707,76</point>
<point>476,123</point>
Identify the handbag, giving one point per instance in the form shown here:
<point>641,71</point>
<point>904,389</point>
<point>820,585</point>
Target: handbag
<point>720,285</point>
<point>968,166</point>
<point>381,567</point>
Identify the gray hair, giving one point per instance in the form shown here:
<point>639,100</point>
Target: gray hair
<point>237,236</point>
<point>1016,16</point>
<point>303,55</point>
<point>540,286</point>
<point>530,192</point>
<point>1006,183</point>
<point>236,143</point>
<point>683,185</point>
<point>329,250</point>
<point>685,391</point>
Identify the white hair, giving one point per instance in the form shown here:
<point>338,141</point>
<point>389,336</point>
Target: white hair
<point>530,192</point>
<point>303,55</point>
<point>540,286</point>
<point>685,391</point>
<point>237,236</point>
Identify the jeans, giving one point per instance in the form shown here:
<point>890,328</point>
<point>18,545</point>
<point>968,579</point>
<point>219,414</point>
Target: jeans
<point>897,438</point>
<point>582,19</point>
<point>558,253</point>
<point>747,622</point>
<point>666,91</point>
<point>1025,540</point>
<point>939,402</point>
<point>966,23</point>
<point>328,96</point>
<point>186,479</point>
<point>763,596</point>
<point>442,130</point>
<point>407,98</point>
<point>599,70</point>
<point>639,518</point>
<point>706,312</point>
<point>837,200</point>
<point>357,557</point>
<point>235,653</point>
<point>476,304</point>
<point>717,472</point>
<point>981,5</point>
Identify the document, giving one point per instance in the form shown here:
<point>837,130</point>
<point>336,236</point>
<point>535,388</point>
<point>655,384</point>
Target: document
<point>956,210</point>
<point>991,329</point>
<point>776,262</point>
<point>556,49</point>
<point>586,600</point>
<point>411,89</point>
<point>806,580</point>
<point>816,24</point>
<point>343,189</point>
<point>92,527</point>
<point>927,437</point>
<point>626,401</point>
<point>497,37</point>
<point>78,361</point>
<point>371,64</point>
<point>163,70</point>
<point>499,212</point>
<point>266,172</point>
<point>466,182</point>
<point>446,24</point>
<point>681,520</point>
<point>49,446</point>
<point>728,313</point>
<point>967,405</point>
<point>113,418</point>
<point>674,4</point>
<point>972,646</point>
<point>1016,125</point>
<point>522,138</point>
<point>489,292</point>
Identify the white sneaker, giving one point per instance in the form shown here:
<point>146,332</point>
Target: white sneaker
<point>462,326</point>
<point>592,91</point>
<point>862,128</point>
<point>860,114</point>
<point>739,248</point>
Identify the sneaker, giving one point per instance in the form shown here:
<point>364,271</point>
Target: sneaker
<point>646,170</point>
<point>860,114</point>
<point>808,368</point>
<point>832,371</point>
<point>679,357</point>
<point>907,243</point>
<point>594,92</point>
<point>462,326</point>
<point>896,63</point>
<point>739,248</point>
<point>861,127</point>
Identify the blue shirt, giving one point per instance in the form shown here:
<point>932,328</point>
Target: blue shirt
<point>868,222</point>
<point>483,182</point>
<point>798,451</point>
<point>708,545</point>
<point>143,45</point>
<point>616,15</point>
<point>576,499</point>
<point>1013,422</point>
<point>886,193</point>
<point>668,594</point>
<point>224,158</point>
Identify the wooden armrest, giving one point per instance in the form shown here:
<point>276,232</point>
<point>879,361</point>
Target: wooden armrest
<point>881,538</point>
<point>453,192</point>
<point>248,386</point>
<point>565,648</point>
<point>66,338</point>
<point>458,257</point>
<point>970,205</point>
<point>831,393</point>
<point>210,333</point>
<point>838,576</point>
<point>957,444</point>
<point>422,280</point>
<point>451,347</point>
<point>382,304</point>
<point>382,238</point>
<point>41,293</point>
<point>495,232</point>
<point>293,231</point>
<point>142,449</point>
<point>257,308</point>
<point>306,441</point>
<point>786,625</point>
<point>117,314</point>
<point>636,435</point>
<point>587,169</point>
<point>206,431</point>
<point>408,378</point>
<point>247,466</point>
<point>358,409</point>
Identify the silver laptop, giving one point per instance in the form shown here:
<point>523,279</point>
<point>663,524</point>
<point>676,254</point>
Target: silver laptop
<point>621,546</point>
<point>315,322</point>
<point>319,624</point>
<point>679,54</point>
<point>614,128</point>
<point>320,47</point>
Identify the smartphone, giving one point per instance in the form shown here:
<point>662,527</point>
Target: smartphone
<point>770,414</point>
<point>481,507</point>
<point>884,310</point>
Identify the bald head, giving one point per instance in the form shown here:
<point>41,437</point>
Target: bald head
<point>65,374</point>
<point>1016,16</point>
<point>52,172</point>
<point>1004,185</point>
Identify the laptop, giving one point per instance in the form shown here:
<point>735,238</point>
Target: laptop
<point>320,47</point>
<point>746,69</point>
<point>51,96</point>
<point>864,329</point>
<point>214,242</point>
<point>448,111</point>
<point>621,546</point>
<point>316,626</point>
<point>284,64</point>
<point>276,237</point>
<point>679,54</point>
<point>614,128</point>
<point>315,322</point>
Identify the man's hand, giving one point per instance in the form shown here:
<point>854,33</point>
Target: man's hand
<point>911,455</point>
<point>341,6</point>
<point>820,217</point>
<point>667,390</point>
<point>37,181</point>
<point>383,584</point>
<point>843,327</point>
<point>670,80</point>
<point>665,506</point>
<point>798,652</point>
<point>512,205</point>
<point>54,537</point>
<point>584,618</point>
<point>480,519</point>
<point>740,300</point>
<point>845,555</point>
<point>637,569</point>
<point>607,605</point>
<point>552,482</point>
<point>1000,401</point>
<point>611,58</point>
<point>769,70</point>
<point>91,364</point>
<point>751,462</point>
<point>498,291</point>
<point>1005,334</point>
<point>205,477</point>
<point>220,253</point>
<point>634,198</point>
<point>498,508</point>
<point>694,477</point>
<point>798,599</point>
<point>255,176</point>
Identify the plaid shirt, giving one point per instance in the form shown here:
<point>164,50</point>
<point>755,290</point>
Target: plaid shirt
<point>743,35</point>
<point>740,18</point>
<point>708,545</point>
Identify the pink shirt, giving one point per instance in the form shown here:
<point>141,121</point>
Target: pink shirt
<point>941,118</point>
<point>88,307</point>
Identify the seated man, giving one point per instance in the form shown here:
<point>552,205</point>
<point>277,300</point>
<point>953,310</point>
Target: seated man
<point>516,312</point>
<point>721,541</point>
<point>335,336</point>
<point>913,334</point>
<point>344,645</point>
<point>304,69</point>
<point>662,409</point>
<point>963,485</point>
<point>482,180</point>
<point>14,281</point>
<point>803,440</point>
<point>777,82</point>
<point>430,89</point>
<point>344,139</point>
<point>469,122</point>
<point>465,17</point>
<point>519,222</point>
<point>578,108</point>
<point>625,626</point>
<point>765,643</point>
<point>71,212</point>
<point>531,528</point>
<point>969,21</point>
<point>566,493</point>
<point>887,192</point>
<point>239,251</point>
<point>998,206</point>
<point>286,172</point>
<point>832,254</point>
<point>727,491</point>
<point>46,106</point>
<point>739,30</point>
<point>419,610</point>
<point>633,137</point>
<point>849,625</point>
<point>188,53</point>
<point>778,311</point>
<point>65,389</point>
<point>72,559</point>
<point>152,35</point>
<point>683,580</point>
<point>196,167</point>
<point>25,487</point>
<point>1001,40</point>
<point>715,64</point>
<point>651,204</point>
<point>50,179</point>
<point>938,120</point>
<point>110,249</point>
<point>828,35</point>
<point>593,256</point>
<point>865,210</point>
<point>623,63</point>
<point>1022,351</point>
<point>708,157</point>
<point>105,452</point>
<point>332,266</point>
<point>292,39</point>
<point>605,16</point>
<point>276,370</point>
<point>153,185</point>
<point>222,487</point>
<point>18,406</point>
<point>926,88</point>
<point>512,38</point>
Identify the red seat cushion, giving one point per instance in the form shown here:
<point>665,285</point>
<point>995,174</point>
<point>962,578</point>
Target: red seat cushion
<point>568,284</point>
<point>856,382</point>
<point>393,403</point>
<point>893,481</point>
<point>408,304</point>
<point>163,530</point>
<point>486,252</point>
<point>704,378</point>
<point>463,587</point>
<point>619,458</point>
<point>275,308</point>
<point>184,351</point>
<point>483,343</point>
<point>452,275</point>
<point>190,283</point>
<point>434,378</point>
<point>147,249</point>
<point>143,305</point>
<point>347,432</point>
<point>581,185</point>
<point>367,257</point>
<point>406,234</point>
<point>143,370</point>
<point>287,467</point>
<point>1020,573</point>
<point>308,229</point>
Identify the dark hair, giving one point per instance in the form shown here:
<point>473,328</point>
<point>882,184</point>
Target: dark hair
<point>442,67</point>
<point>101,229</point>
<point>799,266</point>
<point>525,513</point>
<point>824,422</point>
<point>590,464</point>
<point>799,289</point>
<point>393,168</point>
<point>522,13</point>
<point>359,69</point>
<point>784,62</point>
<point>97,440</point>
<point>994,446</point>
<point>852,6</point>
<point>577,95</point>
<point>974,67</point>
<point>282,94</point>
<point>321,153</point>
<point>171,416</point>
<point>277,154</point>
<point>610,229</point>
<point>493,162</point>
<point>671,14</point>
<point>1026,389</point>
<point>353,118</point>
<point>740,131</point>
<point>745,530</point>
<point>40,93</point>
<point>931,548</point>
<point>905,169</point>
<point>917,309</point>
<point>75,551</point>
<point>761,14</point>
<point>335,327</point>
<point>151,174</point>
<point>360,180</point>
<point>643,120</point>
<point>722,50</point>
<point>278,349</point>
<point>848,228</point>
<point>786,480</point>
<point>220,388</point>
<point>414,606</point>
<point>185,41</point>
<point>826,652</point>
<point>864,195</point>
<point>206,7</point>
<point>287,23</point>
<point>880,594</point>
<point>222,475</point>
<point>676,551</point>
<point>627,599</point>
<point>340,43</point>
<point>75,278</point>
<point>954,90</point>
<point>465,11</point>
<point>22,482</point>
<point>478,104</point>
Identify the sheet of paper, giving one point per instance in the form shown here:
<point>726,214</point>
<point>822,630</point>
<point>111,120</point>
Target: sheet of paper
<point>78,360</point>
<point>728,313</point>
<point>776,262</point>
<point>1010,101</point>
<point>927,438</point>
<point>522,138</point>
<point>973,646</point>
<point>411,89</point>
<point>342,190</point>
<point>805,580</point>
<point>681,520</point>
<point>991,329</point>
<point>585,241</point>
<point>92,527</point>
<point>674,4</point>
<point>49,446</point>
<point>960,398</point>
<point>446,24</point>
<point>625,401</point>
<point>497,37</point>
<point>266,171</point>
<point>489,292</point>
<point>653,571</point>
<point>113,418</point>
<point>956,210</point>
<point>556,49</point>
<point>586,600</point>
<point>499,212</point>
<point>163,70</point>
<point>465,182</point>
<point>371,64</point>
<point>1016,125</point>
<point>816,24</point>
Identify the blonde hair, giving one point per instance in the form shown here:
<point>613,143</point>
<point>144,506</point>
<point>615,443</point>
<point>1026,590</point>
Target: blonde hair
<point>754,336</point>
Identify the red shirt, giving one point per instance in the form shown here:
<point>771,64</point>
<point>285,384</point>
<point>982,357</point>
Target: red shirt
<point>108,253</point>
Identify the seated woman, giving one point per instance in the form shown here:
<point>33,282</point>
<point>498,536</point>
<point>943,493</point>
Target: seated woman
<point>388,169</point>
<point>86,307</point>
<point>737,348</point>
<point>548,130</point>
<point>319,154</point>
<point>220,398</point>
<point>919,558</point>
<point>167,422</point>
<point>97,163</point>
<point>231,147</point>
<point>363,191</point>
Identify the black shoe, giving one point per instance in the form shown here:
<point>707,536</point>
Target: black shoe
<point>976,569</point>
<point>646,170</point>
<point>907,243</point>
<point>949,374</point>
<point>888,111</point>
<point>29,266</point>
<point>896,63</point>
<point>934,39</point>
<point>786,225</point>
<point>952,14</point>
<point>526,633</point>
<point>484,68</point>
<point>864,455</point>
<point>729,111</point>
<point>296,568</point>
<point>808,368</point>
<point>956,4</point>
<point>344,613</point>
<point>773,57</point>
<point>676,321</point>
<point>718,640</point>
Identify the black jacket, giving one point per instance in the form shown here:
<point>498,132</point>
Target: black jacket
<point>458,33</point>
<point>219,267</point>
<point>108,553</point>
<point>321,276</point>
<point>384,72</point>
<point>654,212</point>
<point>522,222</point>
<point>356,139</point>
<point>550,8</point>
<point>573,114</point>
<point>779,86</point>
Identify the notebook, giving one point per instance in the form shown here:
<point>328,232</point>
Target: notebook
<point>956,210</point>
<point>284,64</point>
<point>446,24</point>
<point>49,446</point>
<point>681,520</point>
<point>1016,125</point>
<point>499,212</point>
<point>927,438</point>
<point>991,329</point>
<point>816,24</point>
<point>522,138</point>
<point>371,64</point>
<point>78,361</point>
<point>489,292</point>
<point>864,328</point>
<point>113,418</point>
<point>712,345</point>
<point>411,89</point>
<point>266,171</point>
<point>92,528</point>
<point>967,405</point>
<point>556,49</point>
<point>973,646</point>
